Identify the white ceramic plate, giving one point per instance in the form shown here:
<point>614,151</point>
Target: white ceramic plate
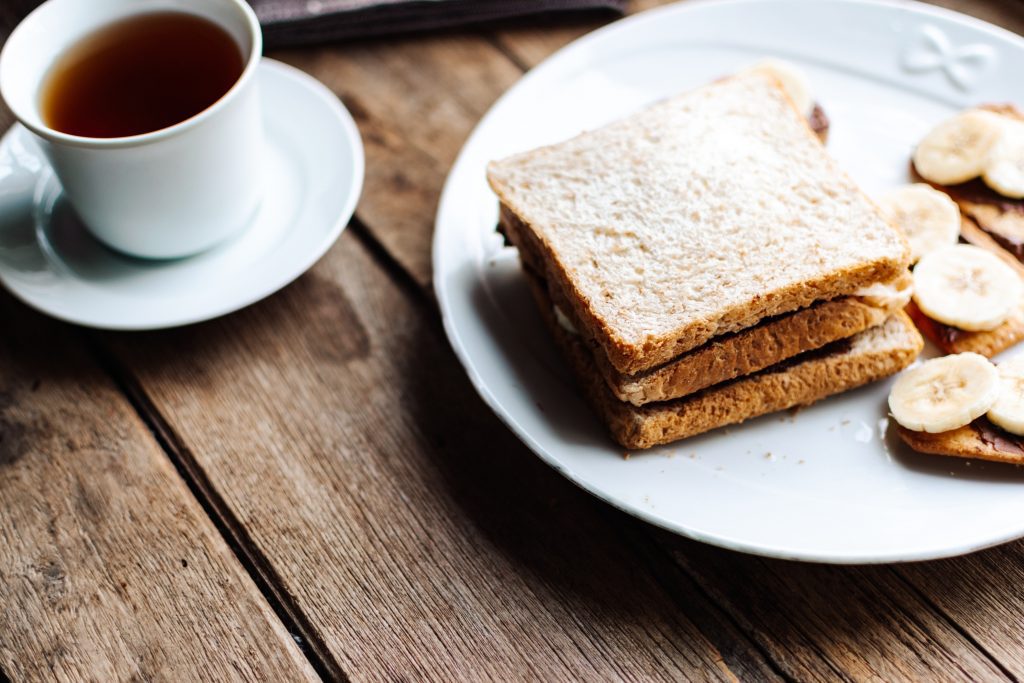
<point>831,483</point>
<point>313,175</point>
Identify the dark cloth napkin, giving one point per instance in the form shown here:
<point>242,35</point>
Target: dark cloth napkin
<point>302,22</point>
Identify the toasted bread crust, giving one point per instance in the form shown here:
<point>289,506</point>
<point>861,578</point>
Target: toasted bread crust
<point>722,359</point>
<point>803,382</point>
<point>746,351</point>
<point>988,343</point>
<point>649,288</point>
<point>972,234</point>
<point>965,442</point>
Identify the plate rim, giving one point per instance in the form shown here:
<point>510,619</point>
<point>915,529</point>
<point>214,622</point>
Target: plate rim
<point>349,132</point>
<point>440,275</point>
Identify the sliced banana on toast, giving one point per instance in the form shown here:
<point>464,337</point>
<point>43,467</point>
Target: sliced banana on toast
<point>1004,171</point>
<point>928,218</point>
<point>1008,410</point>
<point>966,287</point>
<point>986,143</point>
<point>958,149</point>
<point>962,406</point>
<point>944,393</point>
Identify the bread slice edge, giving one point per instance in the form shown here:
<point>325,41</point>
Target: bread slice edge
<point>871,355</point>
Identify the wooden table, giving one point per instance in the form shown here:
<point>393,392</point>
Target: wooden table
<point>311,487</point>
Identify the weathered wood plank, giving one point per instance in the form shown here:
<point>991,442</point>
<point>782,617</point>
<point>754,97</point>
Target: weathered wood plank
<point>415,100</point>
<point>109,569</point>
<point>821,622</point>
<point>981,593</point>
<point>418,536</point>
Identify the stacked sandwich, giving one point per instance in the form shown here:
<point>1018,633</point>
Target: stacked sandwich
<point>704,261</point>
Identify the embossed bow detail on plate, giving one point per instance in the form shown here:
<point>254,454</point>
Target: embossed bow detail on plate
<point>934,50</point>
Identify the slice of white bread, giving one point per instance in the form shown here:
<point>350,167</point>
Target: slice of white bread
<point>980,439</point>
<point>732,355</point>
<point>697,217</point>
<point>868,356</point>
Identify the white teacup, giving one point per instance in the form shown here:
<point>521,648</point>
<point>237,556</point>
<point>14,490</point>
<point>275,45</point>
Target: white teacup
<point>165,194</point>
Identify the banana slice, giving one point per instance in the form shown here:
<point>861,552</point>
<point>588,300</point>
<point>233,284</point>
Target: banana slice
<point>944,393</point>
<point>1005,170</point>
<point>1008,410</point>
<point>966,287</point>
<point>929,218</point>
<point>794,82</point>
<point>958,149</point>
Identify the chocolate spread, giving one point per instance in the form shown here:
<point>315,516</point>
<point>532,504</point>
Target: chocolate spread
<point>818,121</point>
<point>997,438</point>
<point>977,192</point>
<point>945,336</point>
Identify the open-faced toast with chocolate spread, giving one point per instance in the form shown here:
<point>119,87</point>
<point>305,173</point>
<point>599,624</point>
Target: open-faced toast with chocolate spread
<point>977,158</point>
<point>974,162</point>
<point>967,296</point>
<point>963,406</point>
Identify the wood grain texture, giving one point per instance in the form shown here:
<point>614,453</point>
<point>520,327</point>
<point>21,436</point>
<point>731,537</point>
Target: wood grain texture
<point>821,622</point>
<point>415,101</point>
<point>981,593</point>
<point>419,537</point>
<point>109,569</point>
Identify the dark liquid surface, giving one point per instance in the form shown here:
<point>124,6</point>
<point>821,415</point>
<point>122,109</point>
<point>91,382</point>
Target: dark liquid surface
<point>139,75</point>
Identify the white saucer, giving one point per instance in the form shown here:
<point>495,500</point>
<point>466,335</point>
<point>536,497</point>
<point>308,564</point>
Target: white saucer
<point>314,174</point>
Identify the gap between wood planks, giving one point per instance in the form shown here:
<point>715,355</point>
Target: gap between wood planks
<point>230,529</point>
<point>647,549</point>
<point>719,627</point>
